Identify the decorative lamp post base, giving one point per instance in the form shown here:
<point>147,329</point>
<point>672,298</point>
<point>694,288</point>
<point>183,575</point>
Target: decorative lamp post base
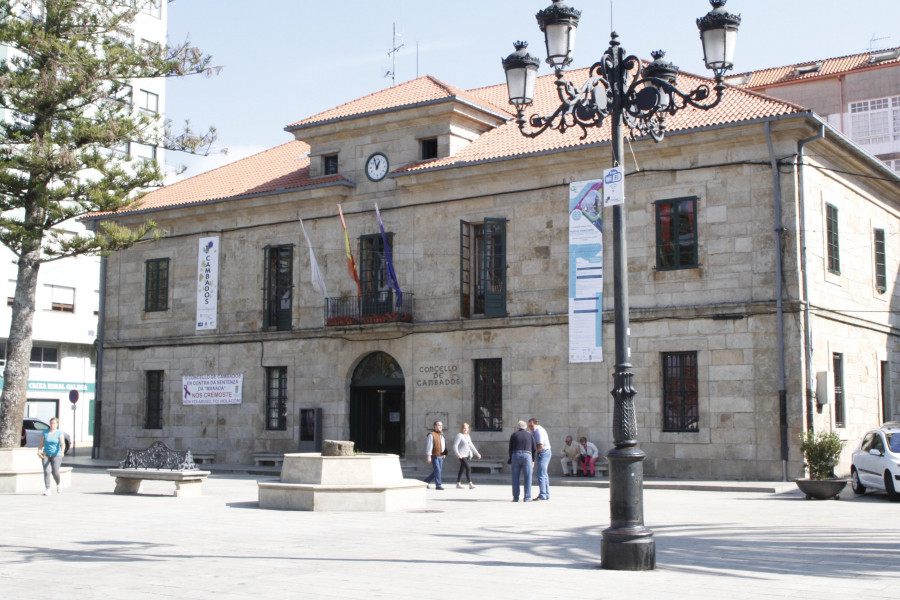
<point>627,545</point>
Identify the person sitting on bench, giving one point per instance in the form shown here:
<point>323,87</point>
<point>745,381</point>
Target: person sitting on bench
<point>590,453</point>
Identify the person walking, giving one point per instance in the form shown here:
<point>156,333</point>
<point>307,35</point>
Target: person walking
<point>591,453</point>
<point>571,455</point>
<point>522,449</point>
<point>465,450</point>
<point>51,450</point>
<point>435,450</point>
<point>543,458</point>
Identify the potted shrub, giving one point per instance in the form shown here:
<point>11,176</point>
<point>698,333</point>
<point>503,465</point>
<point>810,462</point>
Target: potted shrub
<point>821,452</point>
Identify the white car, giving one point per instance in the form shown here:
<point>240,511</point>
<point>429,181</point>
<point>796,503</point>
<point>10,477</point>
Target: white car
<point>876,463</point>
<point>33,431</point>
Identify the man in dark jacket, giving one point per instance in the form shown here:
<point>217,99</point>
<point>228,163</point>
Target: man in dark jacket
<point>522,449</point>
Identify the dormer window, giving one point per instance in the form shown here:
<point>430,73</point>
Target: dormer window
<point>429,148</point>
<point>883,55</point>
<point>807,69</point>
<point>330,164</point>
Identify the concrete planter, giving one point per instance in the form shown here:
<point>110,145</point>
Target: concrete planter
<point>21,472</point>
<point>821,489</point>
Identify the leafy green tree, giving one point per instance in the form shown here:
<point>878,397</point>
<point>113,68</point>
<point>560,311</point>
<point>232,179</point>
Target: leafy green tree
<point>65,87</point>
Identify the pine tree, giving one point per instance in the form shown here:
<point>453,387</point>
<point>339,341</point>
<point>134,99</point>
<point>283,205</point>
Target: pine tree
<point>66,90</point>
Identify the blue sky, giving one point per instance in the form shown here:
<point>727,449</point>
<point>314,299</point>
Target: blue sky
<point>284,60</point>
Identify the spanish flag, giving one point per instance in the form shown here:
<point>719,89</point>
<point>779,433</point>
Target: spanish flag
<point>351,264</point>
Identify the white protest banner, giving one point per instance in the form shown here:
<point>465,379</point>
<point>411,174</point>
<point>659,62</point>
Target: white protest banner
<point>212,389</point>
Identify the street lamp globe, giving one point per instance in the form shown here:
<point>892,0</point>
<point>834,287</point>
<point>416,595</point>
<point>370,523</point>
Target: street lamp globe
<point>559,22</point>
<point>521,71</point>
<point>718,32</point>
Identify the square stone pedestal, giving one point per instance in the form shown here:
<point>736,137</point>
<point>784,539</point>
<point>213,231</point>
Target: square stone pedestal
<point>364,482</point>
<point>21,472</point>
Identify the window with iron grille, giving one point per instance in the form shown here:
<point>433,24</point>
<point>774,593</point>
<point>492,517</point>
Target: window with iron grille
<point>330,164</point>
<point>276,398</point>
<point>156,285</point>
<point>153,404</point>
<point>880,263</point>
<point>279,287</point>
<point>489,394</point>
<point>482,271</point>
<point>831,239</point>
<point>429,148</point>
<point>676,233</point>
<point>837,363</point>
<point>681,410</point>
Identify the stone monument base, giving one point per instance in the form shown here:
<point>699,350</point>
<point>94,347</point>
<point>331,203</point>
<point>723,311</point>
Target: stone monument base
<point>358,483</point>
<point>21,472</point>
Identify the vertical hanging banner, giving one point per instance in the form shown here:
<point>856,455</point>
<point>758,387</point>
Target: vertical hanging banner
<point>208,283</point>
<point>585,272</point>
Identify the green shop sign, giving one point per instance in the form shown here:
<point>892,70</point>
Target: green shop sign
<point>61,387</point>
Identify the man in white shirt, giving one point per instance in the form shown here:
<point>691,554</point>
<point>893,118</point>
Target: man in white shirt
<point>435,450</point>
<point>542,459</point>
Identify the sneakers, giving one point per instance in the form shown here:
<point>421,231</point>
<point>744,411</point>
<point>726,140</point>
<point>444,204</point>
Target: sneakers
<point>47,492</point>
<point>59,489</point>
<point>458,485</point>
<point>471,486</point>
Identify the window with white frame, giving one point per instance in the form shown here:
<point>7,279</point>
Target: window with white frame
<point>875,121</point>
<point>62,299</point>
<point>44,357</point>
<point>153,8</point>
<point>148,101</point>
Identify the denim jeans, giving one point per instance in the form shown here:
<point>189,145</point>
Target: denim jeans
<point>437,463</point>
<point>543,461</point>
<point>521,467</point>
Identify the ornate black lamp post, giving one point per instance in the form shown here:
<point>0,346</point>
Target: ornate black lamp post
<point>640,97</point>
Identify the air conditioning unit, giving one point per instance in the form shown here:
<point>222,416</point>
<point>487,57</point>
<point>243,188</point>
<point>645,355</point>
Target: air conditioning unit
<point>824,387</point>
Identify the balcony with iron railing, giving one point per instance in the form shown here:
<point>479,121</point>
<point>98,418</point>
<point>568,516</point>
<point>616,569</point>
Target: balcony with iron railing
<point>369,309</point>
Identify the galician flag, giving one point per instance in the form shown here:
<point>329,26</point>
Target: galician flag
<point>389,262</point>
<point>351,264</point>
<point>315,276</point>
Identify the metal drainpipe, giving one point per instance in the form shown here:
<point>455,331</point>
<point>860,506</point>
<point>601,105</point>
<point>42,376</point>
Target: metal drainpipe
<point>807,327</point>
<point>98,398</point>
<point>779,234</point>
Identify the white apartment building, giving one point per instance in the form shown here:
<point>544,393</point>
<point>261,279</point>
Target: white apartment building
<point>859,95</point>
<point>63,358</point>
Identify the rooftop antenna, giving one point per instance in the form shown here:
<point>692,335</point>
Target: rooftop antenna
<point>395,48</point>
<point>873,40</point>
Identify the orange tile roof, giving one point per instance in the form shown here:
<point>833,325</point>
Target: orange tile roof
<point>415,91</point>
<point>287,166</point>
<point>829,68</point>
<point>282,167</point>
<point>506,140</point>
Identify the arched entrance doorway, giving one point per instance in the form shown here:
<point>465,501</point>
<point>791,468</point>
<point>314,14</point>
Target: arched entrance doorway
<point>378,405</point>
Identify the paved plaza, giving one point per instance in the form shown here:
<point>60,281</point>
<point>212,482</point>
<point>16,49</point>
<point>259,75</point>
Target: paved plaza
<point>89,543</point>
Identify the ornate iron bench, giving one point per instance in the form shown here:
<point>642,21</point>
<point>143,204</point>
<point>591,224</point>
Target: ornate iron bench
<point>159,463</point>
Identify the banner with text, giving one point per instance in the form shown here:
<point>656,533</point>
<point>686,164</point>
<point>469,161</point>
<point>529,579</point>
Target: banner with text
<point>585,272</point>
<point>208,283</point>
<point>212,389</point>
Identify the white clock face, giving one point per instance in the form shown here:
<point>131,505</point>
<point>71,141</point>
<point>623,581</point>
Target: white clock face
<point>376,166</point>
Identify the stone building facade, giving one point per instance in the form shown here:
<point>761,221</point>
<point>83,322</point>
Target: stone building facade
<point>476,217</point>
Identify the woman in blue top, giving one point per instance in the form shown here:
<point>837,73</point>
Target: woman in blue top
<point>51,453</point>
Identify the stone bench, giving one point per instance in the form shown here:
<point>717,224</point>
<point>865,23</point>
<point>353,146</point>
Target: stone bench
<point>204,457</point>
<point>268,459</point>
<point>494,464</point>
<point>158,463</point>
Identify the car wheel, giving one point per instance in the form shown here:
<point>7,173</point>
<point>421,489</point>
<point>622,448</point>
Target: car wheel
<point>889,486</point>
<point>858,488</point>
